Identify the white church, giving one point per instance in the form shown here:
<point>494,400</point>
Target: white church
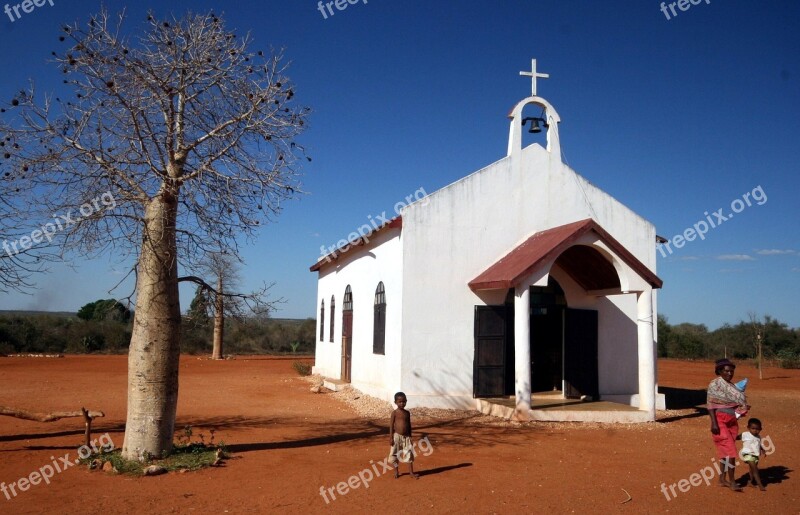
<point>522,277</point>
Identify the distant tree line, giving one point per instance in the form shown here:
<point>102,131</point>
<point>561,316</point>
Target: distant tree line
<point>104,327</point>
<point>694,341</point>
<point>251,335</point>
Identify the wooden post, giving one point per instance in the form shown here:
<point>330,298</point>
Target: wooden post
<point>87,419</point>
<point>760,356</point>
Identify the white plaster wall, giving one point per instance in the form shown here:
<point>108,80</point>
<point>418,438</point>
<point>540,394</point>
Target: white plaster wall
<point>462,229</point>
<point>362,268</point>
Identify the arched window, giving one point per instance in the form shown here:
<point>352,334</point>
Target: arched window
<point>348,299</point>
<point>322,320</point>
<point>333,315</point>
<point>379,324</point>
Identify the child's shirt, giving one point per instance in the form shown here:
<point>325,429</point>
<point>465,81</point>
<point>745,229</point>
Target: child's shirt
<point>751,444</point>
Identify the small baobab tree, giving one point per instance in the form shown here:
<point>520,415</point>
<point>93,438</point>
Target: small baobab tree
<point>757,334</point>
<point>223,299</point>
<point>164,146</point>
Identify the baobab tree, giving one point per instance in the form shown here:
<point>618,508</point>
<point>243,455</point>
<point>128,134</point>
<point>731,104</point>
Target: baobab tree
<point>169,145</point>
<point>224,299</point>
<point>757,330</point>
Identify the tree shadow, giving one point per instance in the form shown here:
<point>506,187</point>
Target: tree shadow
<point>115,428</point>
<point>43,448</point>
<point>221,422</point>
<point>224,422</point>
<point>344,431</point>
<point>326,433</point>
<point>439,470</point>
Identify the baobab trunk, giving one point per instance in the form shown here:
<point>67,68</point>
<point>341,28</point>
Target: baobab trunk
<point>155,342</point>
<point>219,320</point>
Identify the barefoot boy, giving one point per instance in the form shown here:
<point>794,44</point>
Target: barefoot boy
<point>400,436</point>
<point>752,450</point>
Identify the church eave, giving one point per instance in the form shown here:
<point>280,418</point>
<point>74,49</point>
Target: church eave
<point>396,222</point>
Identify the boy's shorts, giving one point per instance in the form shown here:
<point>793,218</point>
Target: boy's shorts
<point>750,458</point>
<point>401,450</point>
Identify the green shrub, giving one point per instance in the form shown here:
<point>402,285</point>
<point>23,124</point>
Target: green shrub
<point>186,455</point>
<point>788,359</point>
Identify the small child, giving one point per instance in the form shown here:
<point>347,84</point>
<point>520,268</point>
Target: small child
<point>400,436</point>
<point>741,410</point>
<point>752,450</point>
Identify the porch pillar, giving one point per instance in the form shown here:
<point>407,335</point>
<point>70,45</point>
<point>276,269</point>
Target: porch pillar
<point>522,352</point>
<point>647,364</point>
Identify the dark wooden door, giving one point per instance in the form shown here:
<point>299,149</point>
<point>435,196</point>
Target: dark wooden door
<point>580,354</point>
<point>546,348</point>
<point>347,344</point>
<point>489,361</point>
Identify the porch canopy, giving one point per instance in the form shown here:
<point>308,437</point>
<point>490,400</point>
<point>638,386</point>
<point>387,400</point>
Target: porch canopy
<point>589,268</point>
<point>601,266</point>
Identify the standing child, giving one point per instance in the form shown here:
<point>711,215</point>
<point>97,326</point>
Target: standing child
<point>752,449</point>
<point>400,436</point>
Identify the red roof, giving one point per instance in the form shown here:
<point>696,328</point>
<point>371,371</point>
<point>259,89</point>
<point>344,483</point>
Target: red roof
<point>546,245</point>
<point>397,221</point>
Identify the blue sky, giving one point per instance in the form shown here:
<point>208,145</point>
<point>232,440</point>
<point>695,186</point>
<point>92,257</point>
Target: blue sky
<point>673,117</point>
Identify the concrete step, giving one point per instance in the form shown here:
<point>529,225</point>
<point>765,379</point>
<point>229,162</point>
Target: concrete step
<point>334,385</point>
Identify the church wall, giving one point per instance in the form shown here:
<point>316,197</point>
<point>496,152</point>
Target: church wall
<point>465,227</point>
<point>362,268</point>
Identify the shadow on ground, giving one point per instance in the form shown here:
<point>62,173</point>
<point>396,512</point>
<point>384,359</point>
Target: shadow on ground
<point>439,470</point>
<point>682,398</point>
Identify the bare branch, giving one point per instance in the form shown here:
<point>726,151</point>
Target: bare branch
<point>188,108</point>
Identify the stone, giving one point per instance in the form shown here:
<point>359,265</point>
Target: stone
<point>154,470</point>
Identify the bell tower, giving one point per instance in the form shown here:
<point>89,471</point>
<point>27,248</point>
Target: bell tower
<point>549,118</point>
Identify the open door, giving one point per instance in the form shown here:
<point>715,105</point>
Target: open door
<point>347,344</point>
<point>490,359</point>
<point>547,330</point>
<point>347,334</point>
<point>580,354</point>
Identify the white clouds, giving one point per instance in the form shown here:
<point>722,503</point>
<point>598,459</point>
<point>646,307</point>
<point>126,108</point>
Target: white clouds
<point>735,257</point>
<point>775,252</point>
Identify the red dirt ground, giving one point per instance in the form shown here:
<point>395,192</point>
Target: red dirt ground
<point>288,442</point>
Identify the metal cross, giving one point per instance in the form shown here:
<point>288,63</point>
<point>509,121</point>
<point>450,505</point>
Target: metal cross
<point>533,75</point>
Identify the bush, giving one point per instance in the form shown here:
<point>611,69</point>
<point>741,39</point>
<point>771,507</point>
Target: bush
<point>788,359</point>
<point>304,369</point>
